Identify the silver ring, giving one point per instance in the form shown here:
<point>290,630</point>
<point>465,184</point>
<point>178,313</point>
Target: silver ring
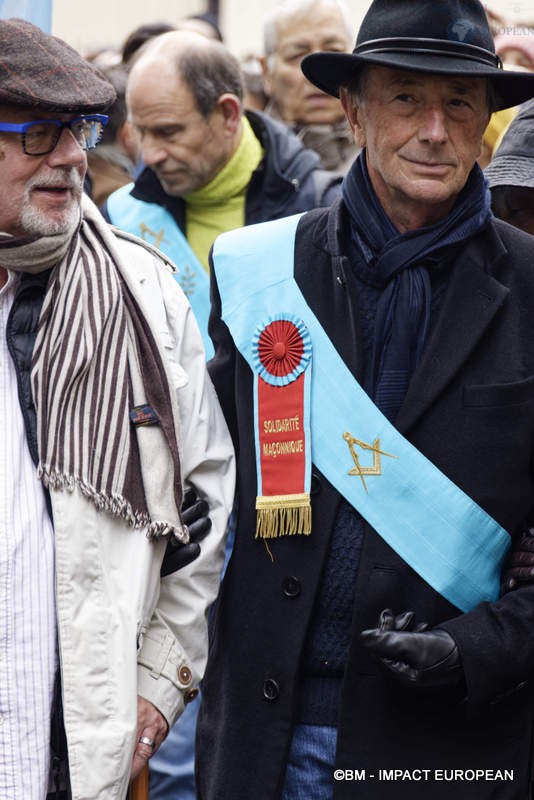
<point>146,740</point>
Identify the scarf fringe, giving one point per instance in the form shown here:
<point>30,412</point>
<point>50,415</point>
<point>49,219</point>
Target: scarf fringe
<point>114,504</point>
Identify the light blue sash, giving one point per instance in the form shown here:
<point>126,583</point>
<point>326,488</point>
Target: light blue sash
<point>429,521</point>
<point>155,225</point>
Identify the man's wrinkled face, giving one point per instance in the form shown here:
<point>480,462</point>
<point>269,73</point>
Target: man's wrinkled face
<point>298,101</point>
<point>39,194</point>
<point>423,134</point>
<point>185,149</point>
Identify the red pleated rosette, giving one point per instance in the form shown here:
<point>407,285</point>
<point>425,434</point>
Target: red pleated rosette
<point>282,350</point>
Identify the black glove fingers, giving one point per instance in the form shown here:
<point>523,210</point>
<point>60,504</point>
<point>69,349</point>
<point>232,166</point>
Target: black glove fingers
<point>394,645</point>
<point>385,620</point>
<point>195,515</point>
<point>402,671</point>
<point>520,574</point>
<point>404,621</point>
<point>519,568</point>
<point>527,540</point>
<point>521,558</point>
<point>180,557</point>
<point>415,654</point>
<point>199,528</point>
<point>421,627</point>
<point>190,495</point>
<point>196,511</point>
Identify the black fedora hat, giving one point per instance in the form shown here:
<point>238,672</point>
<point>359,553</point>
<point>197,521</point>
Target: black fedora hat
<point>449,37</point>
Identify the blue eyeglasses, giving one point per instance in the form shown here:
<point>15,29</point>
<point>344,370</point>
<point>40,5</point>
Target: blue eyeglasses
<point>40,137</point>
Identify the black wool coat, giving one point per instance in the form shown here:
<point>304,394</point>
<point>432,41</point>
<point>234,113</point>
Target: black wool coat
<point>470,409</point>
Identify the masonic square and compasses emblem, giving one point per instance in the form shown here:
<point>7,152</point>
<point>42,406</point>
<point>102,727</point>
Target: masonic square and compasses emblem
<point>358,469</point>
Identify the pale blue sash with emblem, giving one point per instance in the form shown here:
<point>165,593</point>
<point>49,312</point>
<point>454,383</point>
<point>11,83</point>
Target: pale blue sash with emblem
<point>450,541</point>
<point>155,225</point>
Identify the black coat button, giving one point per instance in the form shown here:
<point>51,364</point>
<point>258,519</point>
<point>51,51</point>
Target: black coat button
<point>271,690</point>
<point>291,587</point>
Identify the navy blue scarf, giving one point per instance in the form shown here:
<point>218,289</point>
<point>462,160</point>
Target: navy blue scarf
<point>400,263</point>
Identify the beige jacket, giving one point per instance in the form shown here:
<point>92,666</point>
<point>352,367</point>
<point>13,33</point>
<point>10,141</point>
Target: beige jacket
<point>122,630</point>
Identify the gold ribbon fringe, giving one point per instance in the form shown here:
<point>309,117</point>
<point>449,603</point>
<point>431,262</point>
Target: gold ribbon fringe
<point>283,515</point>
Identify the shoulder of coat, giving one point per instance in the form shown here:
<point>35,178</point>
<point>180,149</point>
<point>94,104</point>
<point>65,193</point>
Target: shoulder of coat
<point>163,260</point>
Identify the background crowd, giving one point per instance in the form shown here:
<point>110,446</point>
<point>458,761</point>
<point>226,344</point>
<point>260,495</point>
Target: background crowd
<point>273,82</point>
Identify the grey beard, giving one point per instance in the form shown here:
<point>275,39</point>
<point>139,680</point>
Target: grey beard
<point>35,222</point>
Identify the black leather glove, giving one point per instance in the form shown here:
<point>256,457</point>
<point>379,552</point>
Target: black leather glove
<point>415,655</point>
<point>519,567</point>
<point>195,514</point>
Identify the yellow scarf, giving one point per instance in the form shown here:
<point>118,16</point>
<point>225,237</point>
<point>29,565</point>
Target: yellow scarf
<point>220,205</point>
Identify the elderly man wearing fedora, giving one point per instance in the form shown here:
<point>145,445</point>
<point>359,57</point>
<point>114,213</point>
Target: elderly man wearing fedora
<point>375,363</point>
<point>108,416</point>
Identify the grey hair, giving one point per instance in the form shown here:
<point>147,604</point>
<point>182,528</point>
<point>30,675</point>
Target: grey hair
<point>356,87</point>
<point>287,8</point>
<point>208,73</point>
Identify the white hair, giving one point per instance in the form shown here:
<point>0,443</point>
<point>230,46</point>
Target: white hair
<point>284,9</point>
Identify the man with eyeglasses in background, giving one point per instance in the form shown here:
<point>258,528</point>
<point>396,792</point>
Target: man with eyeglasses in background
<point>109,421</point>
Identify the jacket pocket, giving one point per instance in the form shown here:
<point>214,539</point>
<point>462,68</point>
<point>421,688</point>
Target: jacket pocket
<point>498,394</point>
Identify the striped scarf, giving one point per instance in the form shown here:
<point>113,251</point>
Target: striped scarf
<point>95,358</point>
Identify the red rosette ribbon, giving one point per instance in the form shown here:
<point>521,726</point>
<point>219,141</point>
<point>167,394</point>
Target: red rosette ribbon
<point>283,350</point>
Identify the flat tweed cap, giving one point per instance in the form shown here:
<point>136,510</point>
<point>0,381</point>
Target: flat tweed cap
<point>41,71</point>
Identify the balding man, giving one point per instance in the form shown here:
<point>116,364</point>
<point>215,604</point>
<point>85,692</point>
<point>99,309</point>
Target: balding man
<point>210,167</point>
<point>292,30</point>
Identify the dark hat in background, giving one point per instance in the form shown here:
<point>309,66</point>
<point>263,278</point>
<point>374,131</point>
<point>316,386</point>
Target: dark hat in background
<point>41,71</point>
<point>449,37</point>
<point>513,162</point>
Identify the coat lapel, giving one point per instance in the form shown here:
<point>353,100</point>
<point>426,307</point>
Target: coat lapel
<point>472,300</point>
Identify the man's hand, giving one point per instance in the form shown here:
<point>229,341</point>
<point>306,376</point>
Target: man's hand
<point>152,726</point>
<point>195,515</point>
<point>415,655</point>
<point>519,567</point>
